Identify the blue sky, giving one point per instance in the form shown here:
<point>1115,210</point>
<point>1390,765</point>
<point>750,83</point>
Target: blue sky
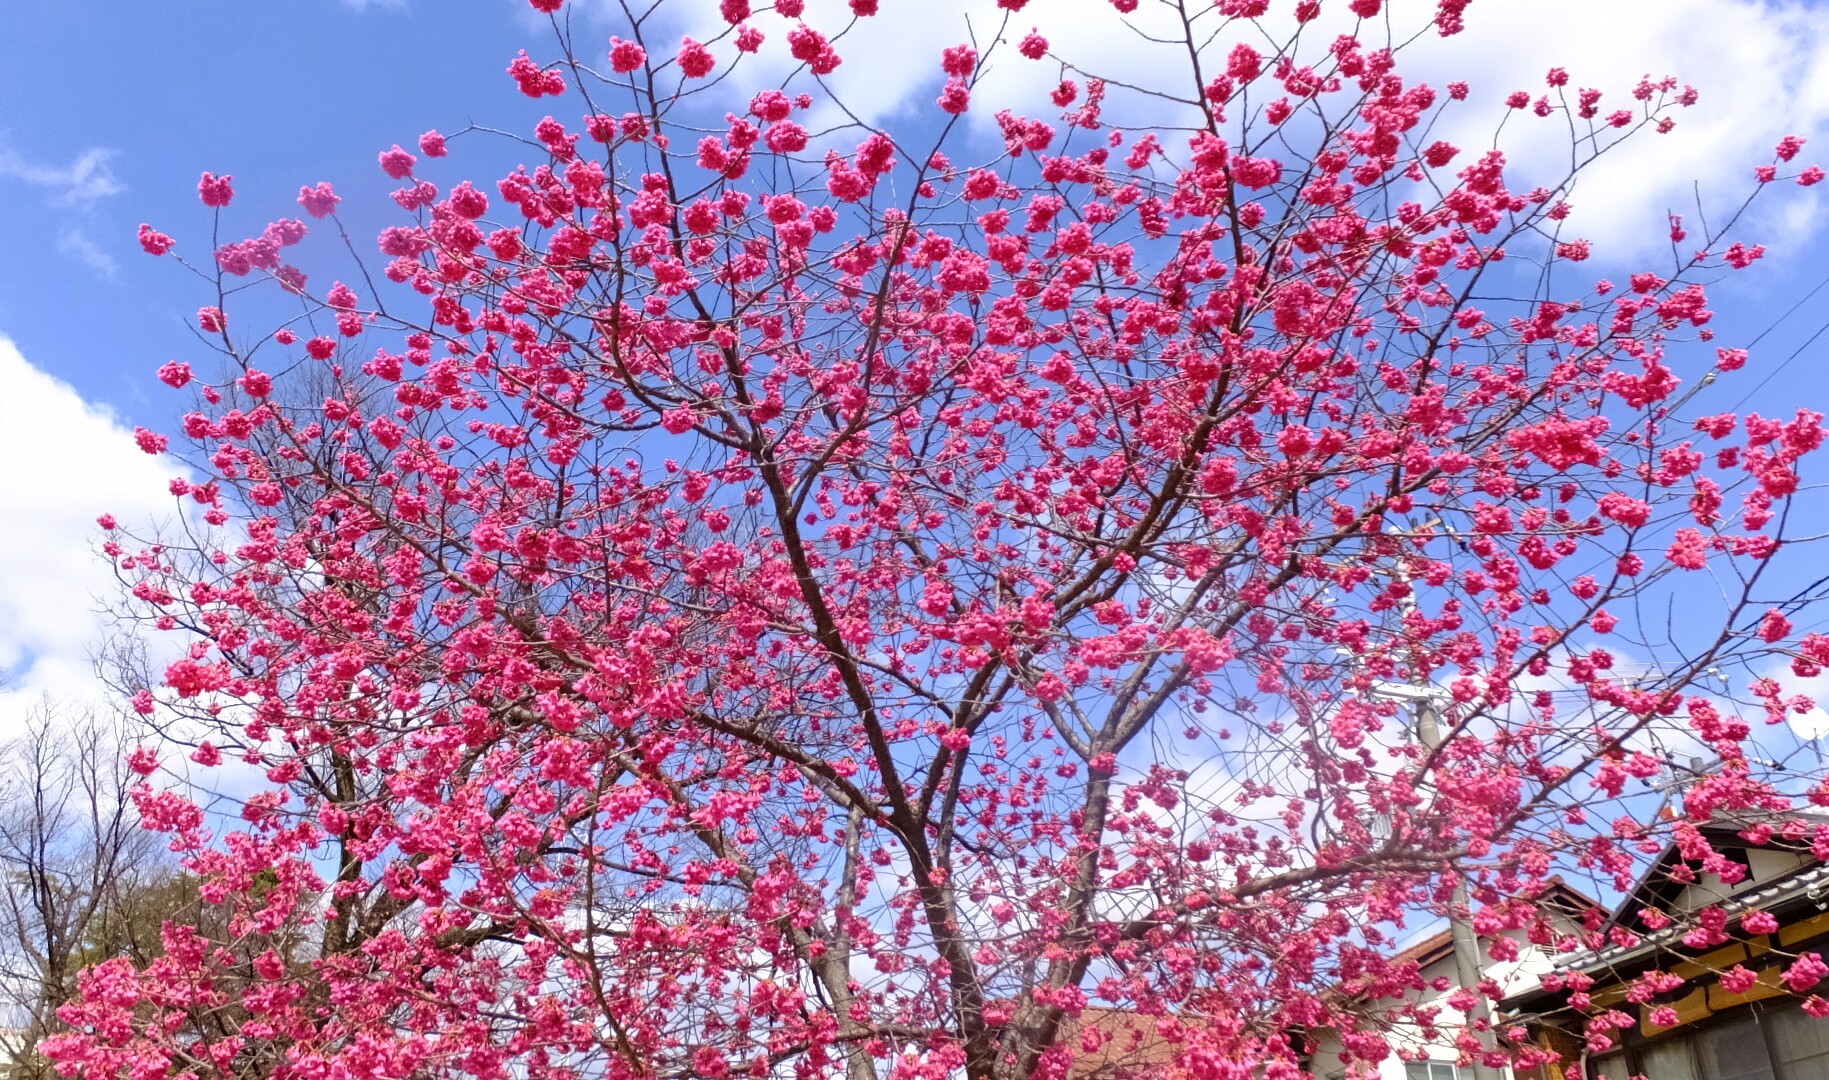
<point>275,94</point>
<point>109,111</point>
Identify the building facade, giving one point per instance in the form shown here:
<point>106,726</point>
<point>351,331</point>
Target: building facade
<point>1432,1053</point>
<point>1694,984</point>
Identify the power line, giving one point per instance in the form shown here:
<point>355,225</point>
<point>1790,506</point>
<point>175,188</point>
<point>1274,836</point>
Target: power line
<point>1789,311</point>
<point>1799,351</point>
<point>1795,353</point>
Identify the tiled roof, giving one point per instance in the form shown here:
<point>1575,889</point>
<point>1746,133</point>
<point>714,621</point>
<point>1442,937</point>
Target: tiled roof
<point>1790,887</point>
<point>1132,1046</point>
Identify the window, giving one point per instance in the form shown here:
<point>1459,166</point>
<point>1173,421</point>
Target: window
<point>1434,1070</point>
<point>1734,1051</point>
<point>1668,1060</point>
<point>1800,1043</point>
<point>1772,1041</point>
<point>1753,1046</point>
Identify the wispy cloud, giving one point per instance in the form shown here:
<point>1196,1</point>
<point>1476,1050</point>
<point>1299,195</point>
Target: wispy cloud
<point>73,189</point>
<point>74,242</point>
<point>86,179</point>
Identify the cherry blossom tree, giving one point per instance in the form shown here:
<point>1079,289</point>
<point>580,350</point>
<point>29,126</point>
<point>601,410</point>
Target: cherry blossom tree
<point>753,592</point>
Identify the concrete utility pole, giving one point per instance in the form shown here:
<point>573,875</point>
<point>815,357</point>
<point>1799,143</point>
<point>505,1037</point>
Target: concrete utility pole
<point>1466,942</point>
<point>1421,697</point>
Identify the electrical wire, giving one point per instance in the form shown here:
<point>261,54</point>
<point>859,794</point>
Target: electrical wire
<point>1795,353</point>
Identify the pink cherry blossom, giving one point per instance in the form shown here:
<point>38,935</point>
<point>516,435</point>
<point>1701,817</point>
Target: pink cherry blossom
<point>319,200</point>
<point>626,56</point>
<point>154,242</point>
<point>214,190</point>
<point>175,374</point>
<point>397,163</point>
<point>694,59</point>
<point>751,586</point>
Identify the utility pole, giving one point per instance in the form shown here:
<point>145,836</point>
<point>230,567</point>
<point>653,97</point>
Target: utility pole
<point>1466,943</point>
<point>1421,697</point>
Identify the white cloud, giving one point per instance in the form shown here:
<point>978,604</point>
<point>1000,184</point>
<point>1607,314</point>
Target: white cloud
<point>88,178</point>
<point>66,463</point>
<point>1762,68</point>
<point>73,241</point>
